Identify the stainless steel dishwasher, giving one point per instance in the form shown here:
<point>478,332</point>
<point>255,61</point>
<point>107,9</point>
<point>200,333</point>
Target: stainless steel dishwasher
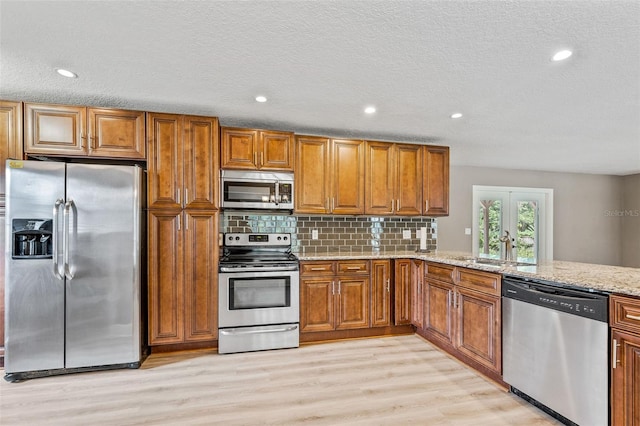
<point>555,349</point>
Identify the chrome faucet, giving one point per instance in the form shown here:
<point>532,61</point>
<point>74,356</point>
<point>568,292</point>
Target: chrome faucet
<point>508,246</point>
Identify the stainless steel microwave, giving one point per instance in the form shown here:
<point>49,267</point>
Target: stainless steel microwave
<point>256,190</point>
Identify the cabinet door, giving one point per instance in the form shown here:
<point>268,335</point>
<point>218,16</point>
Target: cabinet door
<point>200,275</point>
<point>625,379</point>
<point>312,175</point>
<point>166,296</point>
<point>347,177</point>
<point>239,148</point>
<point>402,291</point>
<point>316,304</point>
<point>379,178</point>
<point>353,302</point>
<point>417,297</point>
<point>165,172</point>
<point>438,315</point>
<point>10,142</point>
<point>436,180</point>
<point>380,293</point>
<point>117,133</point>
<point>201,174</point>
<point>408,189</point>
<point>478,327</point>
<point>55,129</point>
<point>276,151</point>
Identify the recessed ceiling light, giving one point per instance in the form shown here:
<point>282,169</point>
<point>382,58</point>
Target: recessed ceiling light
<point>261,99</point>
<point>370,110</point>
<point>456,115</point>
<point>562,55</point>
<point>66,73</point>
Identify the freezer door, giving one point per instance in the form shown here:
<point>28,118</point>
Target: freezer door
<point>102,215</point>
<point>34,297</point>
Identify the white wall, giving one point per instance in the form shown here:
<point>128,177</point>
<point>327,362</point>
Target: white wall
<point>631,222</point>
<point>585,230</point>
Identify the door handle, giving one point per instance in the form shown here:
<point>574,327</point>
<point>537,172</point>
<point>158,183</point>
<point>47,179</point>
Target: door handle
<point>333,287</point>
<point>614,354</point>
<point>388,284</point>
<point>239,331</point>
<point>339,285</point>
<point>56,219</point>
<point>66,245</point>
<point>426,205</point>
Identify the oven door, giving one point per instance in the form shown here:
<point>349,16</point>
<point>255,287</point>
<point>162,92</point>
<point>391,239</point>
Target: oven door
<point>258,298</point>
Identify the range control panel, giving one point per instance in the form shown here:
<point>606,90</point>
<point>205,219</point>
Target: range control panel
<point>256,240</point>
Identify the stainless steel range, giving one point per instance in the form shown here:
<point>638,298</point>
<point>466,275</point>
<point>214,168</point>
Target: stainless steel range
<point>258,303</point>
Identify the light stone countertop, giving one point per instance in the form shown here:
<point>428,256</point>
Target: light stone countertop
<point>612,279</point>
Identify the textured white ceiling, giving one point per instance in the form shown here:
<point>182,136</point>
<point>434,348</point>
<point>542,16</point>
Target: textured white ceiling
<point>321,62</point>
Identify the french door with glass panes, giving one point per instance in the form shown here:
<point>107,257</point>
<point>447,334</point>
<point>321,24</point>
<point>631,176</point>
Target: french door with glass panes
<point>524,215</point>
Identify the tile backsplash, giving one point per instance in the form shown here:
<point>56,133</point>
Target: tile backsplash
<point>347,234</point>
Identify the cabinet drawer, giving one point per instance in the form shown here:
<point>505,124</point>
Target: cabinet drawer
<point>625,313</point>
<point>439,272</point>
<point>353,267</point>
<point>317,268</point>
<point>477,280</point>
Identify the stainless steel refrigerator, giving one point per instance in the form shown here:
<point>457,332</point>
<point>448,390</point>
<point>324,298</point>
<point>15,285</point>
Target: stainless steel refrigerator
<point>72,271</point>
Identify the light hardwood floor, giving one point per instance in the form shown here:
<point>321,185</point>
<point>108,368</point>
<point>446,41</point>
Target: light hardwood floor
<point>384,381</point>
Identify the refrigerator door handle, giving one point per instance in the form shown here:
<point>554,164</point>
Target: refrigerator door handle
<point>56,223</point>
<point>69,205</point>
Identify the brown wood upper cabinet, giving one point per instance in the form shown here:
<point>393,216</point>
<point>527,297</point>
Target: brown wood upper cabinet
<point>393,179</point>
<point>80,131</point>
<point>183,161</point>
<point>329,176</point>
<point>10,139</point>
<point>436,181</point>
<point>250,149</point>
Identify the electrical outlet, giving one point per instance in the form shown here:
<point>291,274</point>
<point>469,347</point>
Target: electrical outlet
<point>406,234</point>
<point>314,234</point>
<point>467,231</point>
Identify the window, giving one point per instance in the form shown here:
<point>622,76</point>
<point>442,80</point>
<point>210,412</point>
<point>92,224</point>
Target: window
<point>525,215</point>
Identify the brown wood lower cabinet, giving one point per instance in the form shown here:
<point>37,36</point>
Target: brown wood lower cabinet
<point>334,295</point>
<point>625,363</point>
<point>462,314</point>
<point>380,293</point>
<point>183,253</point>
<point>402,291</point>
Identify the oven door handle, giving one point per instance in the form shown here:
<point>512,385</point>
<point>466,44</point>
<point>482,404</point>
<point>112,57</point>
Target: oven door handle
<point>240,331</point>
<point>260,269</point>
